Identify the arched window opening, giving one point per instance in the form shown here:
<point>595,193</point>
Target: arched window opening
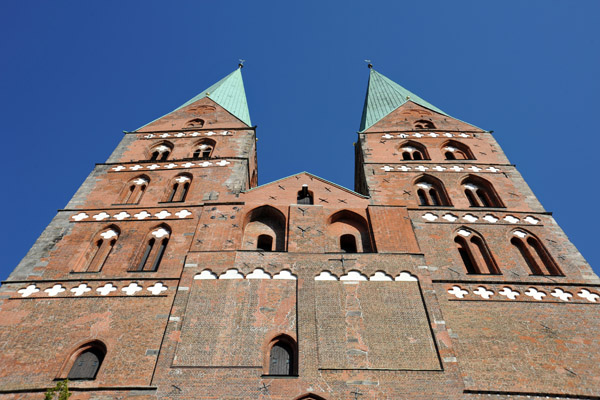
<point>431,191</point>
<point>350,232</point>
<point>474,253</point>
<point>413,151</point>
<point>480,193</point>
<point>134,190</point>
<point>304,196</point>
<point>268,221</point>
<point>161,152</point>
<point>348,243</point>
<point>424,124</point>
<point>204,149</point>
<point>283,356</point>
<point>97,253</point>
<point>535,254</point>
<point>264,243</point>
<point>180,186</point>
<point>454,150</point>
<point>87,362</point>
<point>195,123</point>
<point>153,250</point>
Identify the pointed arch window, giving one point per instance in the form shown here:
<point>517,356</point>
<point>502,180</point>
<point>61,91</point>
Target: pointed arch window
<point>264,229</point>
<point>195,123</point>
<point>282,356</point>
<point>350,232</point>
<point>179,188</point>
<point>431,192</point>
<point>454,150</point>
<point>480,193</point>
<point>153,250</point>
<point>537,258</point>
<point>474,253</point>
<point>134,190</point>
<point>161,151</point>
<point>86,361</point>
<point>424,124</point>
<point>97,253</point>
<point>204,149</point>
<point>413,151</point>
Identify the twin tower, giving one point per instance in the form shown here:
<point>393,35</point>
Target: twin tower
<point>171,274</point>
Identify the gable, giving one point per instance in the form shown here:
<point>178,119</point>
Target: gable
<point>285,192</point>
<point>206,109</point>
<point>407,115</point>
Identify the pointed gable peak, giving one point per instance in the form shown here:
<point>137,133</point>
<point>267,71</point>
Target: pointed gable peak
<point>384,96</point>
<point>229,93</point>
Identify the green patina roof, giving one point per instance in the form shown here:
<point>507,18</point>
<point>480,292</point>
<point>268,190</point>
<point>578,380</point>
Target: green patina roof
<point>228,93</point>
<point>383,97</point>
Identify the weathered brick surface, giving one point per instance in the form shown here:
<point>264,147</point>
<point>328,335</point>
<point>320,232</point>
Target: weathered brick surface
<point>421,327</point>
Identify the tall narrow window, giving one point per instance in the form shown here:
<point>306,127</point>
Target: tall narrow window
<point>179,188</point>
<point>282,356</point>
<point>161,151</point>
<point>99,250</point>
<point>431,191</point>
<point>304,196</point>
<point>535,255</point>
<point>454,150</point>
<point>87,363</point>
<point>348,243</point>
<point>134,190</point>
<point>153,250</point>
<point>412,150</point>
<point>203,149</point>
<point>475,255</point>
<point>480,193</point>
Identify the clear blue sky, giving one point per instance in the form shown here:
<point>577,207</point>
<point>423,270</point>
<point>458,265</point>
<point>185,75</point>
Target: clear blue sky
<point>75,74</point>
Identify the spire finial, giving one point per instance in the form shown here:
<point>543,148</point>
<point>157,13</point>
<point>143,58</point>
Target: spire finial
<point>241,64</point>
<point>369,64</point>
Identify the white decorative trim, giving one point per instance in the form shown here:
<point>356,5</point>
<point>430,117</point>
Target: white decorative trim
<point>489,218</point>
<point>326,276</point>
<point>170,165</point>
<point>124,215</point>
<point>440,168</point>
<point>185,134</point>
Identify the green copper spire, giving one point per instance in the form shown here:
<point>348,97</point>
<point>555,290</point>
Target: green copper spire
<point>228,93</point>
<point>384,96</point>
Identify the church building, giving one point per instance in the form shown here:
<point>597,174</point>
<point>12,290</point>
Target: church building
<point>171,274</point>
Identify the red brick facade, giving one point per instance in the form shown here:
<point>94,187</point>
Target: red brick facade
<point>188,275</point>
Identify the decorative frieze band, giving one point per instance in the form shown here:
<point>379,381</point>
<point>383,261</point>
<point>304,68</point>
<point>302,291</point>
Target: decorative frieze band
<point>185,134</point>
<point>93,289</point>
<point>529,293</point>
<point>129,215</point>
<point>163,166</point>
<point>406,135</point>
<point>491,218</point>
<point>439,168</point>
